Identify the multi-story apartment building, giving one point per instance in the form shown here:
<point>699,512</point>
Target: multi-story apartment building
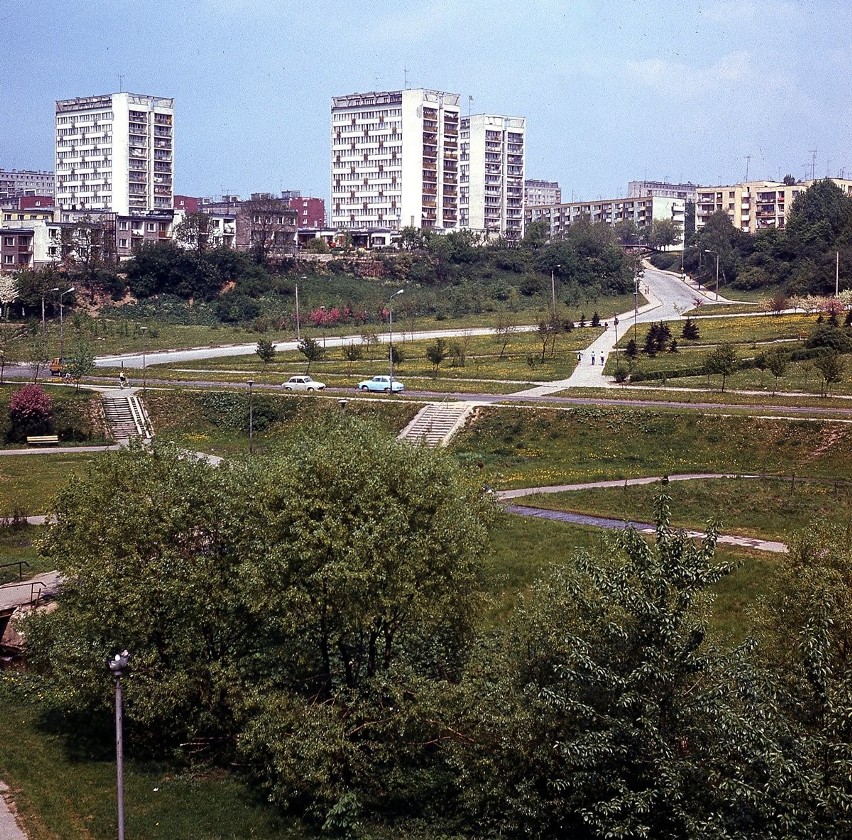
<point>394,160</point>
<point>115,152</point>
<point>662,189</point>
<point>310,212</point>
<point>754,205</point>
<point>541,192</point>
<point>491,183</point>
<point>263,222</point>
<point>643,212</point>
<point>17,182</point>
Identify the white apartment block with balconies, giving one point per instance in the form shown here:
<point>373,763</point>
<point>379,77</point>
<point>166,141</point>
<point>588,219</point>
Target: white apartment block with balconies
<point>537,191</point>
<point>115,152</point>
<point>642,211</point>
<point>491,198</point>
<point>394,160</point>
<point>754,205</point>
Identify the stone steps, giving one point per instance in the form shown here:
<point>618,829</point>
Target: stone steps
<point>436,423</point>
<point>125,416</point>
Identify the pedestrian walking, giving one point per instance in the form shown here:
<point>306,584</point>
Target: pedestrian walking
<point>603,359</point>
<point>122,380</point>
<point>593,356</point>
<point>579,358</point>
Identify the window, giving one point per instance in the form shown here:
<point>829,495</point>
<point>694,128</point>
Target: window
<point>122,225</point>
<point>122,243</point>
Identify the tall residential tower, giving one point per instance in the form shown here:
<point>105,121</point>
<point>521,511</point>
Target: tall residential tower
<point>394,160</point>
<point>115,153</point>
<point>492,175</point>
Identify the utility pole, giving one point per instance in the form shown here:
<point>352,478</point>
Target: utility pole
<point>748,159</point>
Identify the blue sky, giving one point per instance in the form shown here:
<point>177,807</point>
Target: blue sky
<point>613,90</point>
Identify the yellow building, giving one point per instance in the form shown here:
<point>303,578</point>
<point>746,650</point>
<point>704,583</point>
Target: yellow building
<point>754,205</point>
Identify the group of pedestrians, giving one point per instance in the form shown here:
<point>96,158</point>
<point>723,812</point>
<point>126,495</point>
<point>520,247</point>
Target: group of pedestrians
<point>602,358</point>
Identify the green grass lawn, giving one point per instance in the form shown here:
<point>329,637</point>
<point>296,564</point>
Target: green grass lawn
<point>18,543</point>
<point>61,796</point>
<point>771,509</point>
<point>524,448</point>
<point>217,421</point>
<point>29,482</point>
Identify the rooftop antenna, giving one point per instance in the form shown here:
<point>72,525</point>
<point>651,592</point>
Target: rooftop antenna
<point>748,160</point>
<point>469,104</point>
<point>405,72</point>
<point>813,164</point>
<point>120,83</point>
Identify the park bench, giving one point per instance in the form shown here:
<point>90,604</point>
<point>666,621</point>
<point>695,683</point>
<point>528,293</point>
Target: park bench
<point>42,440</point>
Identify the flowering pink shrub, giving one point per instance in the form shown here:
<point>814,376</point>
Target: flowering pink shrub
<point>29,411</point>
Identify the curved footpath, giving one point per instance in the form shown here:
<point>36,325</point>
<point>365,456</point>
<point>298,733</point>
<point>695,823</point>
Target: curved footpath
<point>620,524</point>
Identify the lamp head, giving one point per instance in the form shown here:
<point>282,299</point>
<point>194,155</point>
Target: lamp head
<point>118,663</point>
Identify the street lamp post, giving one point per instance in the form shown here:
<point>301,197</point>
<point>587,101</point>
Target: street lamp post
<point>715,254</point>
<point>144,331</point>
<point>43,295</point>
<point>322,309</point>
<point>61,325</point>
<point>390,336</point>
<point>635,300</point>
<point>251,417</point>
<point>553,288</point>
<point>615,324</point>
<point>298,334</point>
<point>118,665</point>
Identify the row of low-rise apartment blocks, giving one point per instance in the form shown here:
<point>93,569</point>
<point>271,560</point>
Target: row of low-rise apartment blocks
<point>753,206</point>
<point>15,183</point>
<point>643,211</point>
<point>407,158</point>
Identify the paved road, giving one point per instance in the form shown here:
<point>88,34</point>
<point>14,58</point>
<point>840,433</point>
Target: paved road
<point>9,828</point>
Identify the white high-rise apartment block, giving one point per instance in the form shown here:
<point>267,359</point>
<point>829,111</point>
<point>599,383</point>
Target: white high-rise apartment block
<point>492,175</point>
<point>115,153</point>
<point>394,160</point>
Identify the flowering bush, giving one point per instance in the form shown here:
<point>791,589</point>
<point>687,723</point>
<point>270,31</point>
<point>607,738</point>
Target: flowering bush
<point>29,411</point>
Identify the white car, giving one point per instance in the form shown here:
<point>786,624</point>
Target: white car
<point>303,383</point>
<point>380,383</point>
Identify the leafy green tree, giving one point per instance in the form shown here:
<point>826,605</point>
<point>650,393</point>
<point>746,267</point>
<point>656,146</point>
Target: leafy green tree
<point>195,231</point>
<point>776,361</point>
<point>664,233</point>
<point>504,329</point>
<point>317,245</point>
<point>436,353</point>
<point>830,365</point>
<point>311,349</point>
<point>266,351</point>
<point>352,352</point>
<point>80,361</point>
<point>606,710</point>
<point>721,360</point>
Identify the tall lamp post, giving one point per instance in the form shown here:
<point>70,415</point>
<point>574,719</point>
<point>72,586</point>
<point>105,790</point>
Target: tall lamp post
<point>635,300</point>
<point>43,295</point>
<point>61,325</point>
<point>144,331</point>
<point>715,254</point>
<point>615,324</point>
<point>553,288</point>
<point>118,665</point>
<point>251,417</point>
<point>298,333</point>
<point>390,336</point>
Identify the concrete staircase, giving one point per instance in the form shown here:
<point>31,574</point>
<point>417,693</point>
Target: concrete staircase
<point>125,416</point>
<point>436,423</point>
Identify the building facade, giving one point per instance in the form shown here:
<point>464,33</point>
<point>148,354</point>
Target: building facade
<point>754,205</point>
<point>541,192</point>
<point>25,182</point>
<point>491,175</point>
<point>116,153</point>
<point>310,212</point>
<point>394,160</point>
<point>643,212</point>
<point>662,189</point>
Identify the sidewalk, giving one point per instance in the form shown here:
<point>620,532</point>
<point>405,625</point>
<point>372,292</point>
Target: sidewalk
<point>9,828</point>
